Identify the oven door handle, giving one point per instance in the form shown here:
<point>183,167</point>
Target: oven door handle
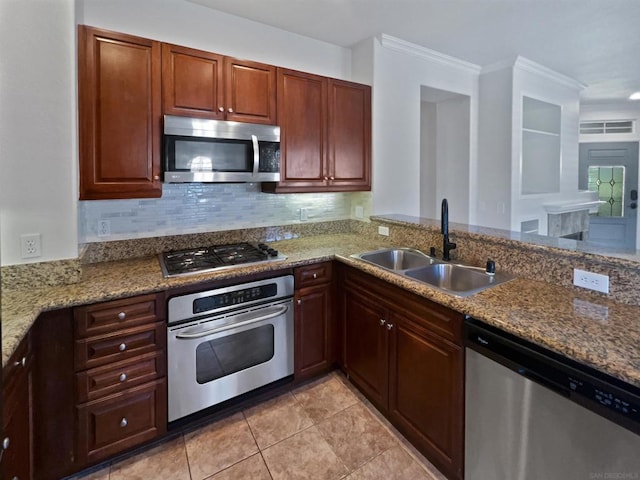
<point>278,311</point>
<point>256,155</point>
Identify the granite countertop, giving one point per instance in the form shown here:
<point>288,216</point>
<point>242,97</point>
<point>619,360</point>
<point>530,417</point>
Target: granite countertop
<point>594,331</point>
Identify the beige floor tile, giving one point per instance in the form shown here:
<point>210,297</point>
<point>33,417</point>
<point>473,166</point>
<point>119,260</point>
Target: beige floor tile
<point>324,398</point>
<point>356,436</point>
<point>305,455</point>
<point>168,460</point>
<point>252,468</point>
<point>102,474</point>
<point>393,464</point>
<point>219,445</point>
<point>276,419</point>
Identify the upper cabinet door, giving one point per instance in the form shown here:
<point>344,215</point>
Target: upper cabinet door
<point>250,91</point>
<point>192,82</point>
<point>302,106</point>
<point>119,115</point>
<point>349,156</point>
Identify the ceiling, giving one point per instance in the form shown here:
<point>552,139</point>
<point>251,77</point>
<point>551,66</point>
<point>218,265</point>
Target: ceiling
<point>596,42</point>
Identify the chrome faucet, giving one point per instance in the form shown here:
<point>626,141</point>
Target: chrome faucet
<point>447,246</point>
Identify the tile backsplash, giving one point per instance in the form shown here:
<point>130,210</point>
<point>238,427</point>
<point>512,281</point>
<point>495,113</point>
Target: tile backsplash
<point>196,208</point>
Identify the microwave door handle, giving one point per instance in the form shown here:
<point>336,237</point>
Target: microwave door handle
<point>256,155</point>
<point>279,311</point>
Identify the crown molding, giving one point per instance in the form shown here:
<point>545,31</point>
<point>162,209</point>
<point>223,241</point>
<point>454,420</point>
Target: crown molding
<point>400,45</point>
<point>530,66</point>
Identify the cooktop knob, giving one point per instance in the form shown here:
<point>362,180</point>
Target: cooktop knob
<point>272,252</point>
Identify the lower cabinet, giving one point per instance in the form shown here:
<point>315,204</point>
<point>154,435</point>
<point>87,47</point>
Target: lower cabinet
<point>405,354</point>
<point>17,413</point>
<point>313,320</point>
<point>120,368</point>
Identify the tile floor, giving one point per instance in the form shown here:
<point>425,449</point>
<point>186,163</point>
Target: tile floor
<point>323,430</point>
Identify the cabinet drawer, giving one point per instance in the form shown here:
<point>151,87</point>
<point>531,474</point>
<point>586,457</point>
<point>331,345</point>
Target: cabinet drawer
<point>111,316</point>
<point>103,349</point>
<point>121,421</point>
<point>115,377</point>
<point>313,274</point>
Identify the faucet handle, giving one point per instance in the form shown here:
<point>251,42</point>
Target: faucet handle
<point>491,267</point>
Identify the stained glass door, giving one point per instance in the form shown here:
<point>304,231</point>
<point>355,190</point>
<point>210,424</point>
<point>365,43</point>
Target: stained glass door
<point>611,169</point>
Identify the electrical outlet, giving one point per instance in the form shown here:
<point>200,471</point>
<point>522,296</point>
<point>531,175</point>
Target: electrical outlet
<point>383,231</point>
<point>30,245</point>
<point>590,280</point>
<point>359,211</point>
<point>304,214</point>
<point>104,228</point>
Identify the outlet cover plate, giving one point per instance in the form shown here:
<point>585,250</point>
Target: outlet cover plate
<point>30,245</point>
<point>590,280</point>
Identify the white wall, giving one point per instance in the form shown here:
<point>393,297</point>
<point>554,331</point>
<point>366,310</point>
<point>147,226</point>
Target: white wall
<point>428,159</point>
<point>400,69</point>
<point>38,163</point>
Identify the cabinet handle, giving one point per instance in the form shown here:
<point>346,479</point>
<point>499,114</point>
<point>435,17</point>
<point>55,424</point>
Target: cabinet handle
<point>299,302</point>
<point>230,110</point>
<point>221,109</point>
<point>315,275</point>
<point>123,422</point>
<point>332,178</point>
<point>382,321</point>
<point>123,377</point>
<point>389,326</point>
<point>20,363</point>
<point>5,443</point>
<point>122,315</point>
<point>326,178</point>
<point>156,177</point>
<point>122,347</point>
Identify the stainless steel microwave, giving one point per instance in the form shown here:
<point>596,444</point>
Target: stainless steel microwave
<point>203,150</point>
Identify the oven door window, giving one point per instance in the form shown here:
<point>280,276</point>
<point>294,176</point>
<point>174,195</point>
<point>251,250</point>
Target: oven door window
<point>210,155</point>
<point>227,355</point>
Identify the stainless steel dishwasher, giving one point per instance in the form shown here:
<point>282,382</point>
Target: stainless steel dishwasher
<point>532,414</point>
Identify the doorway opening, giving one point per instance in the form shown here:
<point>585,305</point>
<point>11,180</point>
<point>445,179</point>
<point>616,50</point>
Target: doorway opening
<point>444,153</point>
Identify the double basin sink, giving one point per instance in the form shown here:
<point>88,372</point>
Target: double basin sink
<point>452,278</point>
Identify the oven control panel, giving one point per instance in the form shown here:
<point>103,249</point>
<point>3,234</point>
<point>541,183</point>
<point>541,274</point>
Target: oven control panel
<point>213,302</point>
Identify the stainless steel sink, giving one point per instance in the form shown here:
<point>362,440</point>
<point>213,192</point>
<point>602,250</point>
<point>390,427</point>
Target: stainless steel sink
<point>456,279</point>
<point>397,258</point>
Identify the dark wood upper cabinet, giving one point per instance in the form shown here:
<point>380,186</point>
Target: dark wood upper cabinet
<point>325,134</point>
<point>192,82</point>
<point>207,85</point>
<point>119,115</point>
<point>349,154</point>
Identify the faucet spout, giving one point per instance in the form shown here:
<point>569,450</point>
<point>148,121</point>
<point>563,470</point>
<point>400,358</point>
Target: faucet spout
<point>447,246</point>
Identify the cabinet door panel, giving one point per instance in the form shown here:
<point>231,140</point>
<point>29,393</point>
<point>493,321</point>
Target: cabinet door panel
<point>366,347</point>
<point>302,117</point>
<point>313,333</point>
<point>426,394</point>
<point>192,82</point>
<point>349,135</point>
<point>250,91</point>
<point>119,111</point>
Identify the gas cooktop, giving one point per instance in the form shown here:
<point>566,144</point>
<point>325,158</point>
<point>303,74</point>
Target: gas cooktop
<point>206,259</point>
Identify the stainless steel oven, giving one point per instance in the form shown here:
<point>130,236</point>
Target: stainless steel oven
<point>228,341</point>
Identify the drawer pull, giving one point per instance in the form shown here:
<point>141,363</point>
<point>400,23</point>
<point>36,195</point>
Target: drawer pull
<point>122,315</point>
<point>382,321</point>
<point>389,326</point>
<point>123,377</point>
<point>123,422</point>
<point>5,443</point>
<point>299,302</point>
<point>122,347</point>
<point>21,363</point>
<point>315,275</point>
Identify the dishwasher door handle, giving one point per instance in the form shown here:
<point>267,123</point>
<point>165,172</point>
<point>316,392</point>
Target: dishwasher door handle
<point>210,331</point>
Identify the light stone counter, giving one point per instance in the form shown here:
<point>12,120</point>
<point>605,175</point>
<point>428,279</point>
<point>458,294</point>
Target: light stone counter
<point>590,329</point>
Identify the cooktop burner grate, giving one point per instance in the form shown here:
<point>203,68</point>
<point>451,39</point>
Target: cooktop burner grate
<point>205,259</point>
